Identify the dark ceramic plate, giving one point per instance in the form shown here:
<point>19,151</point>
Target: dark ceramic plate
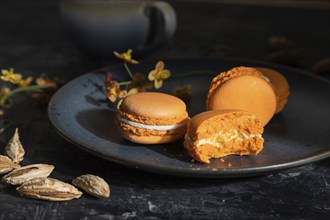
<point>297,136</point>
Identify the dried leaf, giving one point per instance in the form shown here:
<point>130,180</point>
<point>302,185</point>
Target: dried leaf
<point>14,148</point>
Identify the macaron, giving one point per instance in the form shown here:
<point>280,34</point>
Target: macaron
<point>152,118</point>
<point>218,133</point>
<point>243,88</point>
<point>281,85</point>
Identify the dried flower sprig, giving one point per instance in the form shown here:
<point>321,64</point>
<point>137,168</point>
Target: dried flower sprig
<point>127,56</point>
<point>16,84</point>
<point>138,83</point>
<point>113,88</point>
<point>13,83</point>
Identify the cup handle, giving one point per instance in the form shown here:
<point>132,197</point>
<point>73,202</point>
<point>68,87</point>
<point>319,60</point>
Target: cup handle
<point>163,23</point>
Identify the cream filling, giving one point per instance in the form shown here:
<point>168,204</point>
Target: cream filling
<point>218,139</point>
<point>266,78</point>
<point>151,127</point>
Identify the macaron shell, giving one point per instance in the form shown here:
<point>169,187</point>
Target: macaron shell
<point>280,105</point>
<point>152,139</point>
<point>204,125</point>
<point>201,121</point>
<point>282,88</point>
<point>158,108</point>
<point>230,74</point>
<point>248,93</point>
<point>205,153</point>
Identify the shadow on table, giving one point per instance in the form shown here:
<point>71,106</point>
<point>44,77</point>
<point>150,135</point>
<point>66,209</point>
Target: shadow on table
<point>101,123</point>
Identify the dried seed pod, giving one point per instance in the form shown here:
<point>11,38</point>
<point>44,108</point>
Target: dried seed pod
<point>48,189</point>
<point>23,174</point>
<point>280,43</point>
<point>322,67</point>
<point>7,165</point>
<point>285,57</point>
<point>14,148</point>
<point>93,185</point>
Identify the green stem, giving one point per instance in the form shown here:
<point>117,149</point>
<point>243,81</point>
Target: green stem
<point>129,71</point>
<point>24,89</point>
<point>197,72</point>
<point>124,83</point>
<point>4,124</point>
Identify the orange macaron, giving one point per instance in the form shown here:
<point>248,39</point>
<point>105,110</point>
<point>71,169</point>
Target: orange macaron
<point>243,88</point>
<point>218,133</point>
<point>152,118</point>
<point>281,86</point>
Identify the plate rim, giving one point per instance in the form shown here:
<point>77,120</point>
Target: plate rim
<point>186,172</point>
<point>211,173</point>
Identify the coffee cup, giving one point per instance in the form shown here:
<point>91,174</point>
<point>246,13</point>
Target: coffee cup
<point>102,26</point>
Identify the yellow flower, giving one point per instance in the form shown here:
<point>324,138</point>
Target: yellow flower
<point>159,74</point>
<point>25,82</point>
<point>15,78</point>
<point>133,91</point>
<point>44,80</point>
<point>113,89</point>
<point>127,56</point>
<point>11,76</point>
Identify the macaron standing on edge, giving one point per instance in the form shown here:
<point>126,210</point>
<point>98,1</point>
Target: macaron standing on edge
<point>281,86</point>
<point>218,133</point>
<point>152,118</point>
<point>243,88</point>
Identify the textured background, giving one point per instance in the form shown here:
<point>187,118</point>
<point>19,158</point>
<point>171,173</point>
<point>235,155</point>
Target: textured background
<point>32,40</point>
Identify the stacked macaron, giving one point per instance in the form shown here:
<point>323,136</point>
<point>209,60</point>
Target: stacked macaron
<point>152,118</point>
